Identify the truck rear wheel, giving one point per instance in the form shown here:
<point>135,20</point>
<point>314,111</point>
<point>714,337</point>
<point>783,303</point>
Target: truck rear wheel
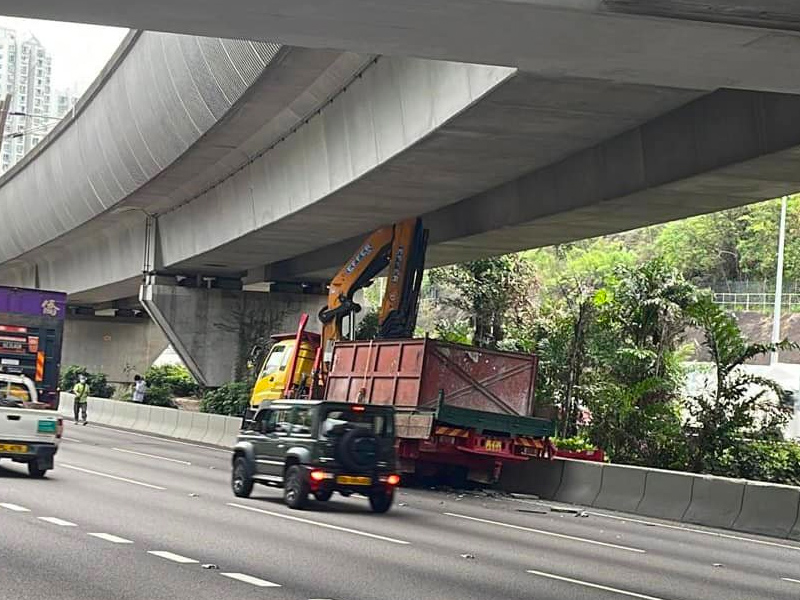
<point>35,471</point>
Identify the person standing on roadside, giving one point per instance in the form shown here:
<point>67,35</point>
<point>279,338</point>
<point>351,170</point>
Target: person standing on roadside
<point>81,391</point>
<point>139,389</point>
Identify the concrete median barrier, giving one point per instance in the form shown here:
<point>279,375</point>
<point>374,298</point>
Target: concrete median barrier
<point>232,426</point>
<point>170,423</point>
<point>199,427</point>
<point>580,483</point>
<point>142,416</point>
<point>716,501</point>
<point>667,495</point>
<point>215,431</point>
<point>184,425</point>
<point>155,419</point>
<point>621,488</point>
<point>66,402</point>
<point>126,415</point>
<point>768,509</point>
<point>537,476</point>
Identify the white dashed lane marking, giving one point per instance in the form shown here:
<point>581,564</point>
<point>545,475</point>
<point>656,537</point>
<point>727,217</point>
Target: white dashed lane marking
<point>173,557</point>
<point>319,524</point>
<point>250,579</point>
<point>155,456</point>
<point>57,521</point>
<point>14,507</point>
<point>114,477</point>
<point>595,586</point>
<point>111,538</point>
<point>547,533</point>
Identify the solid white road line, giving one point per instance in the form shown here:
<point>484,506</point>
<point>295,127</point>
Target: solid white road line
<point>107,475</point>
<point>71,439</point>
<point>251,580</point>
<point>14,507</point>
<point>595,586</point>
<point>727,536</point>
<point>319,524</point>
<point>182,462</point>
<point>790,580</point>
<point>173,557</point>
<point>548,533</point>
<point>57,521</point>
<point>111,538</point>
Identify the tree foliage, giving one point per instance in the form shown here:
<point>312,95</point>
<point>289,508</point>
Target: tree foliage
<point>98,382</point>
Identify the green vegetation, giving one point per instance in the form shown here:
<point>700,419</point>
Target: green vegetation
<point>175,380</point>
<point>608,319</point>
<point>230,399</point>
<point>98,382</point>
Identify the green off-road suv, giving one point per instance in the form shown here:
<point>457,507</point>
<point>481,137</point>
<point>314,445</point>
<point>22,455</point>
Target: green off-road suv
<point>318,447</point>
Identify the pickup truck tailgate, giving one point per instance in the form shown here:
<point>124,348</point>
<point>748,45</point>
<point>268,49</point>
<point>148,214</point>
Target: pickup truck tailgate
<point>33,426</point>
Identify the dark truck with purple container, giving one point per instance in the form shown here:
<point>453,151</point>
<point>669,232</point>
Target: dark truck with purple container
<point>31,333</point>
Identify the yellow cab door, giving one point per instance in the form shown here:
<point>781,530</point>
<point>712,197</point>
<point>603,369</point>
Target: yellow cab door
<point>272,378</point>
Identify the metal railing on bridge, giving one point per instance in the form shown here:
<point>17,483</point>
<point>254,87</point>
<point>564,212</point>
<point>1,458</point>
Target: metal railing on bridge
<point>757,301</point>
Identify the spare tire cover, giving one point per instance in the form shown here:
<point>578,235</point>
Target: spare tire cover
<point>358,450</point>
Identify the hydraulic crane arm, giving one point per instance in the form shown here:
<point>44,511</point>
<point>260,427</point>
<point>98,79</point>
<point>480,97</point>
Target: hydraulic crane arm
<point>402,247</point>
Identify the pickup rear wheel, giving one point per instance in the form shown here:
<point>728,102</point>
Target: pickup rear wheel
<point>241,482</point>
<point>295,489</point>
<point>35,471</point>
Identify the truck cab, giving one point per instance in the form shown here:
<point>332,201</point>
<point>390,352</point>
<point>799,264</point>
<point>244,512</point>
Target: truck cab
<point>274,369</point>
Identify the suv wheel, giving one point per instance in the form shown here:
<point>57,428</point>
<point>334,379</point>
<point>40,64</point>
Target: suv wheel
<point>380,502</point>
<point>35,471</point>
<point>295,490</point>
<point>241,482</point>
<point>323,495</point>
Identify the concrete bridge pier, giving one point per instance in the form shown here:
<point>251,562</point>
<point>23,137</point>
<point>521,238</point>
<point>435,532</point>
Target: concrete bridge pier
<point>120,347</point>
<point>213,330</point>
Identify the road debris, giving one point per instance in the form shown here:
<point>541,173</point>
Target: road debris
<point>717,565</point>
<point>532,511</point>
<point>564,509</point>
<point>468,556</point>
<point>583,513</point>
<point>210,566</point>
<point>193,495</point>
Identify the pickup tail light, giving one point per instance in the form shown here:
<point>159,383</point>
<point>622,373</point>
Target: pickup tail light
<point>319,475</point>
<point>392,479</point>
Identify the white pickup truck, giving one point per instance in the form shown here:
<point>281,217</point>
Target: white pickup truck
<point>28,433</point>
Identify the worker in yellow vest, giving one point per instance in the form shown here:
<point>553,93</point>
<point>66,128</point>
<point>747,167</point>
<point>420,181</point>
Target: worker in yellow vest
<point>81,391</point>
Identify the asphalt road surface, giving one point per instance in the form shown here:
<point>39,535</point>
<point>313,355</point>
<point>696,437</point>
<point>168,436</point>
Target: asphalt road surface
<point>125,516</point>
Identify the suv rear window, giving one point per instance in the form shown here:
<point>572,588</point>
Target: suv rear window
<point>336,421</point>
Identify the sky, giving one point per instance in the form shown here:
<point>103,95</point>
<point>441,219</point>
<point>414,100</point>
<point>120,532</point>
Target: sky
<point>79,51</point>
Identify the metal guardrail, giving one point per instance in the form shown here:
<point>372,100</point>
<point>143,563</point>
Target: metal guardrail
<point>757,301</point>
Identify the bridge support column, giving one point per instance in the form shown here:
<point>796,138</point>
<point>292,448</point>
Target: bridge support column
<point>213,330</point>
<point>117,346</point>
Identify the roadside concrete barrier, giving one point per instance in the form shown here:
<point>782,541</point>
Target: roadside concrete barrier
<point>232,425</point>
<point>170,422</point>
<point>199,427</point>
<point>580,483</point>
<point>538,476</point>
<point>142,416</point>
<point>66,404</point>
<point>621,488</point>
<point>667,494</point>
<point>768,509</point>
<point>184,425</point>
<point>716,501</point>
<point>155,420</point>
<point>128,415</point>
<point>215,432</point>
